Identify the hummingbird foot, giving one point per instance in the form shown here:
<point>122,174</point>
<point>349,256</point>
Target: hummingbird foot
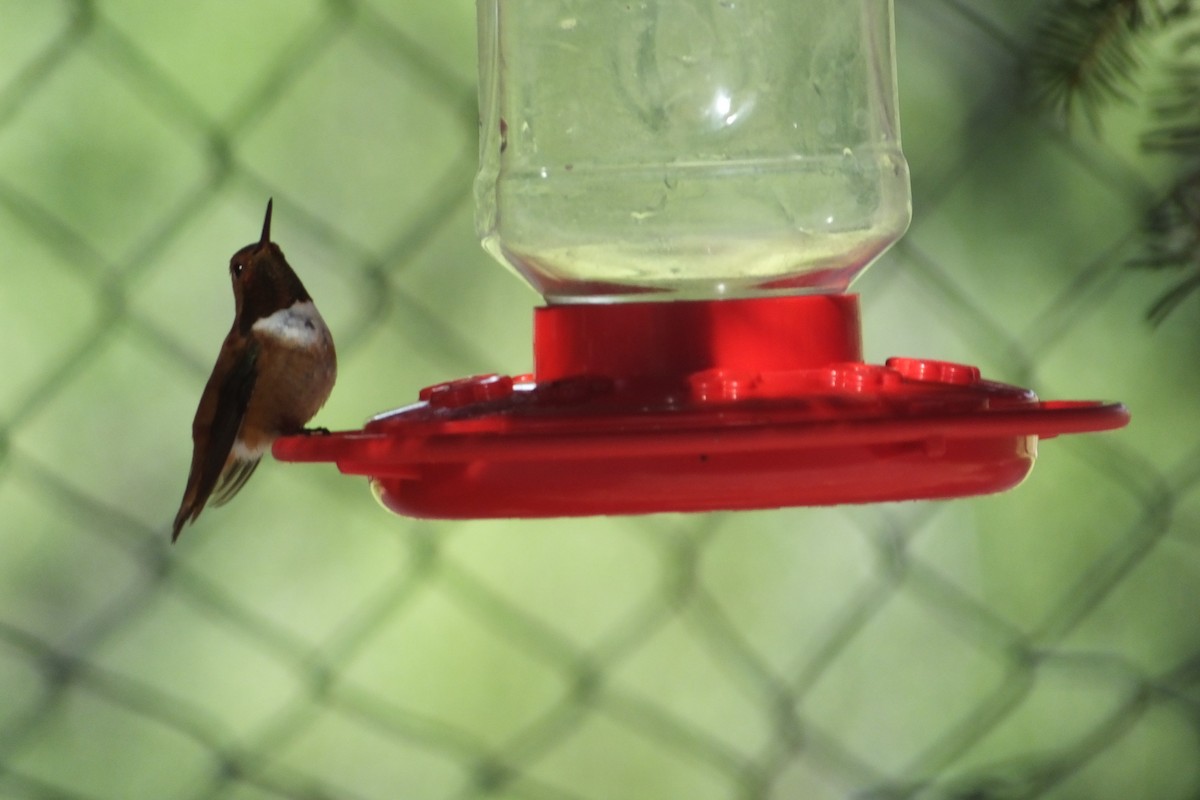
<point>314,432</point>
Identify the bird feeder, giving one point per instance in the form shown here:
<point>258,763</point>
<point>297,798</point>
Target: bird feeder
<point>693,186</point>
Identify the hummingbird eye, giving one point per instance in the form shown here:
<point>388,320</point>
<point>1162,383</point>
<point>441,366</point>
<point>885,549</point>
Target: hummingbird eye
<point>236,268</point>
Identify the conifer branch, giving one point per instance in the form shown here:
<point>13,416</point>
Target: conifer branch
<point>1172,228</point>
<point>1177,106</point>
<point>1084,56</point>
<point>1172,236</point>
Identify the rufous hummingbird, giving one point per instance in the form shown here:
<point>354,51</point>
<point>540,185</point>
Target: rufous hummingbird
<point>275,370</point>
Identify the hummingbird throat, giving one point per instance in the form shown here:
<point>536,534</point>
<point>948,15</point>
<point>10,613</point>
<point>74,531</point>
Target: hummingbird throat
<point>298,325</point>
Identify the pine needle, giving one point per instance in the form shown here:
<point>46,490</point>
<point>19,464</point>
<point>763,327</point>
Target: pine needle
<point>1172,235</point>
<point>1085,56</point>
<point>1177,106</point>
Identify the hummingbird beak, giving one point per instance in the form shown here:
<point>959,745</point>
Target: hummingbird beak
<point>266,234</point>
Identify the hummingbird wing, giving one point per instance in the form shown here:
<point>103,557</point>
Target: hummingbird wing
<point>233,479</point>
<point>215,428</point>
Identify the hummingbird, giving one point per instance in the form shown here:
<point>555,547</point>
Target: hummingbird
<point>275,370</point>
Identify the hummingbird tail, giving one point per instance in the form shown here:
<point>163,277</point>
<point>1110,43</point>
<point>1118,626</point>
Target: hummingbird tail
<point>180,519</point>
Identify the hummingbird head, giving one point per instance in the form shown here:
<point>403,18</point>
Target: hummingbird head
<point>263,282</point>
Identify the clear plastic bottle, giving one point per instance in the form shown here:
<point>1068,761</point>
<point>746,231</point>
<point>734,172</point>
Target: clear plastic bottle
<point>688,149</point>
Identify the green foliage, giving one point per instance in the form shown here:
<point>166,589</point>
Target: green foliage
<point>1085,57</point>
<point>1173,226</point>
<point>1173,242</point>
<point>1178,112</point>
<point>1085,54</point>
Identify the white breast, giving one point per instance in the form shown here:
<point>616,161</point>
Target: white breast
<point>299,325</point>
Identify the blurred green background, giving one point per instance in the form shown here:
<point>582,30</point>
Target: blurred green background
<point>302,643</point>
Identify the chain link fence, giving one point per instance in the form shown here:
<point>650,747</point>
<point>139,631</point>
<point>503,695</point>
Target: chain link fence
<point>300,643</point>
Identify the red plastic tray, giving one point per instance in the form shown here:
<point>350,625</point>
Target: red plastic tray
<point>700,406</point>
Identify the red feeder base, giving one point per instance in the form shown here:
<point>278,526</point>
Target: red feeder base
<point>639,408</point>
